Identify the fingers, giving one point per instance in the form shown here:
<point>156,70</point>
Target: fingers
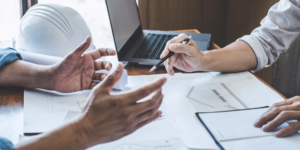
<point>148,114</point>
<point>177,39</point>
<point>106,86</point>
<point>103,65</point>
<point>83,47</point>
<point>93,84</point>
<point>280,113</point>
<point>290,104</point>
<point>154,102</point>
<point>96,54</point>
<point>132,97</point>
<point>99,76</point>
<point>280,119</point>
<point>272,113</point>
<point>292,128</point>
<point>282,103</point>
<point>169,64</point>
<point>156,115</point>
<point>182,48</point>
<point>177,47</point>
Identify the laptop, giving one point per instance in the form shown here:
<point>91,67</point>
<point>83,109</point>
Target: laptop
<point>134,45</point>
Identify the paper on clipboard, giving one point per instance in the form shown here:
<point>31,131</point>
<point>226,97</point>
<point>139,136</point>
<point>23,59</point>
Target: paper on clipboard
<point>238,132</point>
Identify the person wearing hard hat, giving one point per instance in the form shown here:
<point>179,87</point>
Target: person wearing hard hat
<point>252,52</point>
<point>105,117</point>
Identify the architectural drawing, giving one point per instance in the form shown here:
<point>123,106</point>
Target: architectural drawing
<point>214,97</point>
<point>171,144</point>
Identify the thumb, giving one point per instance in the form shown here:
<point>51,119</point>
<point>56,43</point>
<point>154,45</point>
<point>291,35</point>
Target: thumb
<point>106,86</point>
<point>81,48</point>
<point>182,48</point>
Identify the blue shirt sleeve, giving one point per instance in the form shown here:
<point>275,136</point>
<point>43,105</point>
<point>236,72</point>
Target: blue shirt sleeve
<point>6,144</point>
<point>8,55</point>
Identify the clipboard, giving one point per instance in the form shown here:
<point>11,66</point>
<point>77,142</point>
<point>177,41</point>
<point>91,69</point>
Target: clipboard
<point>211,134</point>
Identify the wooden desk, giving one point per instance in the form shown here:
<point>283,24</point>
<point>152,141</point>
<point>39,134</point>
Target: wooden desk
<point>11,99</point>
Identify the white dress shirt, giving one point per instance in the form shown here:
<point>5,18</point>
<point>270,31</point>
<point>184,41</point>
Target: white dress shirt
<point>277,31</point>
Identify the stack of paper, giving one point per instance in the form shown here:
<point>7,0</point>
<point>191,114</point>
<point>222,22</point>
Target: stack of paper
<point>44,111</point>
<point>184,94</point>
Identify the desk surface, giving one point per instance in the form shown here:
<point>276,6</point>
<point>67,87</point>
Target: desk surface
<point>11,99</point>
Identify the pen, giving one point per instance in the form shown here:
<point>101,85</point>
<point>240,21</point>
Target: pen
<point>185,41</point>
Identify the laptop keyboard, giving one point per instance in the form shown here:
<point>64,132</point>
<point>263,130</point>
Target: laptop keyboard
<point>152,46</point>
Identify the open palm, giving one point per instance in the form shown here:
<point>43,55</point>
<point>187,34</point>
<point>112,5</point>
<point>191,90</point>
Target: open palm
<point>78,69</point>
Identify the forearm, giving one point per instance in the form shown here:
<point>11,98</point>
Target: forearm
<point>23,74</point>
<point>67,137</point>
<point>237,56</point>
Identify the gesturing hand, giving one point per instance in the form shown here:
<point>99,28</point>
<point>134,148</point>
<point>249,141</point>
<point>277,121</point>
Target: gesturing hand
<point>77,70</point>
<point>187,57</point>
<point>280,113</point>
<point>109,117</point>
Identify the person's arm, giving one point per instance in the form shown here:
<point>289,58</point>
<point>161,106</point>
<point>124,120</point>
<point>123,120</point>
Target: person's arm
<point>277,31</point>
<point>237,56</point>
<point>105,117</point>
<point>65,137</point>
<point>23,74</point>
<point>77,71</point>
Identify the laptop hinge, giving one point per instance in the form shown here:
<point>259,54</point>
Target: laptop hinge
<point>131,63</point>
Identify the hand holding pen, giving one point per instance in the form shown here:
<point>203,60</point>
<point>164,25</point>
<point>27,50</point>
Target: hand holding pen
<point>185,41</point>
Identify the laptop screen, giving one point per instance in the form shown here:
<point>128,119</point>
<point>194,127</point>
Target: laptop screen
<point>124,19</point>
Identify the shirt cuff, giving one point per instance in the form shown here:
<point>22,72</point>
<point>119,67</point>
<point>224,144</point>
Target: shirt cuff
<point>8,55</point>
<point>254,43</point>
<point>5,144</point>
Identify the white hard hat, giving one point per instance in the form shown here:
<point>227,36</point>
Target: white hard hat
<point>52,29</point>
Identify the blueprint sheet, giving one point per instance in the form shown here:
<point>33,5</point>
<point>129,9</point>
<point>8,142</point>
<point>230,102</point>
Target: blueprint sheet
<point>186,94</point>
<point>45,111</point>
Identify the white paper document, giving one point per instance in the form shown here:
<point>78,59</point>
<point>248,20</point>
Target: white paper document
<point>15,112</point>
<point>186,94</point>
<point>46,111</point>
<point>234,130</point>
<point>39,58</point>
<point>158,135</point>
<point>233,125</point>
